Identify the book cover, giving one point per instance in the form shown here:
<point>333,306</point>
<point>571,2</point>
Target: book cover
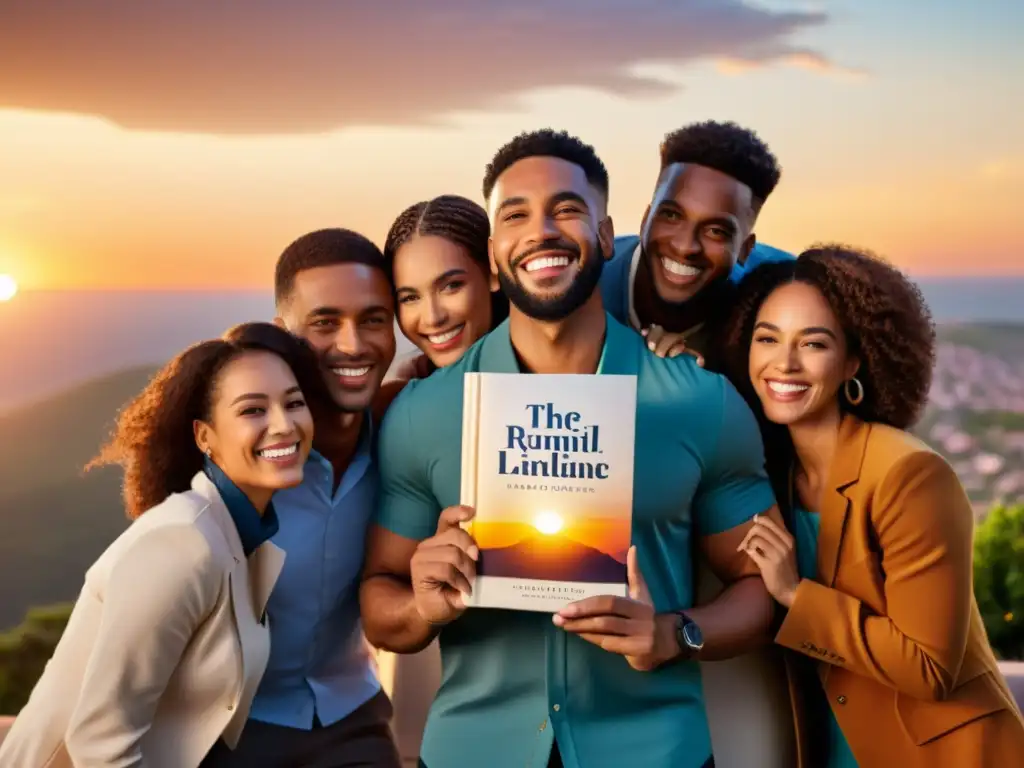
<point>547,463</point>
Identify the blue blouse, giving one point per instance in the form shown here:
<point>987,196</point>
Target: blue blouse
<point>807,525</point>
<point>253,528</point>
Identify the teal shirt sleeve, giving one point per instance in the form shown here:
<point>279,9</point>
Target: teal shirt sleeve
<point>407,505</point>
<point>735,485</point>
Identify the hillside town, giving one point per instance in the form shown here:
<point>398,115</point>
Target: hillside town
<point>976,420</point>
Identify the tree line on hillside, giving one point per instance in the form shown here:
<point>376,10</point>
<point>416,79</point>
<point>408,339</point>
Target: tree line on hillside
<point>998,587</point>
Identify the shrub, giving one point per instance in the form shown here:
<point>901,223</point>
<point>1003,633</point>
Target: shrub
<point>999,578</point>
<point>24,652</point>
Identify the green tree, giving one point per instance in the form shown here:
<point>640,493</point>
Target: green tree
<point>24,652</point>
<point>999,578</point>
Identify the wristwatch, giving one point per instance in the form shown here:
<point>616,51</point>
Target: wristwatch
<point>688,634</point>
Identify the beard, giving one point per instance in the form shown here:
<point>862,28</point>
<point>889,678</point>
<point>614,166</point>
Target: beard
<point>558,307</point>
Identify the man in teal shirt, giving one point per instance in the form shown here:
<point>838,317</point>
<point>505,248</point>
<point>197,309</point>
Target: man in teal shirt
<point>697,235</point>
<point>609,681</point>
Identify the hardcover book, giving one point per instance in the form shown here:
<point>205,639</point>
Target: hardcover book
<point>547,463</point>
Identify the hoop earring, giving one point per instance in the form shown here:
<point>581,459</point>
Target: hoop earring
<point>851,399</point>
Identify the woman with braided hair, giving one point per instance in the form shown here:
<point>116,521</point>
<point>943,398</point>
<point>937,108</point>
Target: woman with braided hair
<point>836,351</point>
<point>445,293</point>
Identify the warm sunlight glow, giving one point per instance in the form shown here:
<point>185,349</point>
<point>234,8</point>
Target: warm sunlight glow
<point>8,288</point>
<point>548,523</point>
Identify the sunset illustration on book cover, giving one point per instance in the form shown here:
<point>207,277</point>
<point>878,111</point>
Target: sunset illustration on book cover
<point>547,463</point>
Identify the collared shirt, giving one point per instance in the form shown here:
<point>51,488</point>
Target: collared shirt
<point>253,528</point>
<point>319,663</point>
<point>619,276</point>
<point>513,682</point>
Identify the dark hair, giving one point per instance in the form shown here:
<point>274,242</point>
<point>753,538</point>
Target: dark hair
<point>323,248</point>
<point>886,323</point>
<point>153,439</point>
<point>547,143</point>
<point>728,148</point>
<point>456,219</point>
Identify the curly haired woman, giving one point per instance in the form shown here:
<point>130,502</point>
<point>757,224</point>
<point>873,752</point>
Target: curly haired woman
<point>838,349</point>
<point>168,639</point>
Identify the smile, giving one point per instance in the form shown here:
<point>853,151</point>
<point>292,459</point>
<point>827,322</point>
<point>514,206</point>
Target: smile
<point>278,452</point>
<point>679,272</point>
<point>547,262</point>
<point>786,391</point>
<point>440,339</point>
<point>351,373</point>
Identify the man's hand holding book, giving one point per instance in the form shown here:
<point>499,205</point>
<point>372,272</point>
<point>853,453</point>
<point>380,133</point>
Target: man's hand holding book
<point>443,568</point>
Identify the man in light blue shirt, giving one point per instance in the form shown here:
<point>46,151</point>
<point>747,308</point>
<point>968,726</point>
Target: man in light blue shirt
<point>320,703</point>
<point>608,682</point>
<point>697,236</point>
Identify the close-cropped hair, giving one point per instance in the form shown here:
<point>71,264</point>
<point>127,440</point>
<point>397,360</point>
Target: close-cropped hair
<point>728,148</point>
<point>323,248</point>
<point>547,142</point>
<point>154,440</point>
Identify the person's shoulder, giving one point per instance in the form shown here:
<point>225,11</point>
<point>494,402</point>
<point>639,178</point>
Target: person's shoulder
<point>760,254</point>
<point>681,382</point>
<point>420,400</point>
<point>623,248</point>
<point>894,455</point>
<point>181,523</point>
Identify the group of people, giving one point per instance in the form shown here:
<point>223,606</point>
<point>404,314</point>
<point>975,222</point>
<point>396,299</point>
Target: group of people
<point>798,555</point>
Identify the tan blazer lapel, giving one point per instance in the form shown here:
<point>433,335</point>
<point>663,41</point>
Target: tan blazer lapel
<point>835,504</point>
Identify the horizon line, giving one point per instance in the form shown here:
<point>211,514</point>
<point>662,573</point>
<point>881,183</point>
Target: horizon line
<point>22,290</point>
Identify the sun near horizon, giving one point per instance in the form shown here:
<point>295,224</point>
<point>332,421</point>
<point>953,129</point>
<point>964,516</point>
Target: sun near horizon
<point>8,287</point>
<point>549,523</point>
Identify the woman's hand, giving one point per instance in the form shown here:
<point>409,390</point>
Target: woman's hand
<point>771,548</point>
<point>665,344</point>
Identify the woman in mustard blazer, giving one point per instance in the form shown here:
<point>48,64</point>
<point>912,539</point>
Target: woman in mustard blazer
<point>168,641</point>
<point>875,572</point>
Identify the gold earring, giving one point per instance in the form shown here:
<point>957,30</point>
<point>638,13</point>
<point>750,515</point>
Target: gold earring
<point>850,398</point>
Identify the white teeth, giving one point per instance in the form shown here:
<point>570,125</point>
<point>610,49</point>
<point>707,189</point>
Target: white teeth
<point>441,338</point>
<point>684,270</point>
<point>278,453</point>
<point>351,372</point>
<point>786,388</point>
<point>547,261</point>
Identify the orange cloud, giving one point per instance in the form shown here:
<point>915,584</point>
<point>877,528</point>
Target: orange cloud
<point>305,66</point>
<point>806,60</point>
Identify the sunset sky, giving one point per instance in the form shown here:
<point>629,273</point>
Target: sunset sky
<point>174,144</point>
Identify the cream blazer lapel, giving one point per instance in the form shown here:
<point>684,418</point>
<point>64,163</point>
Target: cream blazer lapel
<point>251,580</point>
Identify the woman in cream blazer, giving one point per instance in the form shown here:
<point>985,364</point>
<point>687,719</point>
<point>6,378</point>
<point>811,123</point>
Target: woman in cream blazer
<point>875,571</point>
<point>168,639</point>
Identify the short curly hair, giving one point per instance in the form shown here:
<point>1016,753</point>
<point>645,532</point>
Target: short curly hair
<point>154,440</point>
<point>726,147</point>
<point>884,317</point>
<point>547,142</point>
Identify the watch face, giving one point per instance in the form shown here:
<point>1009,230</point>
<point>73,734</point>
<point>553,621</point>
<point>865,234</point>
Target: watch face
<point>692,635</point>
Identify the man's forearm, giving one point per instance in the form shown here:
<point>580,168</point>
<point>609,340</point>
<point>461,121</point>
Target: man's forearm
<point>390,619</point>
<point>738,621</point>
